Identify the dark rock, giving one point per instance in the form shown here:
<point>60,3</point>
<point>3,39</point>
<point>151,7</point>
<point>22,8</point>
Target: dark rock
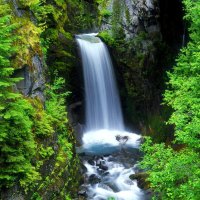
<point>113,187</point>
<point>82,193</point>
<point>105,173</point>
<point>94,179</point>
<point>33,83</point>
<point>24,85</point>
<point>121,139</point>
<point>83,169</point>
<point>141,180</point>
<point>82,155</point>
<point>91,162</point>
<point>103,166</point>
<point>98,162</point>
<point>106,187</point>
<point>98,158</point>
<point>100,171</point>
<point>112,159</point>
<point>74,116</point>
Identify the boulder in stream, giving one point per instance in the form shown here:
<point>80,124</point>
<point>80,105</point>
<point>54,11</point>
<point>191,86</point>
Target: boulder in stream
<point>94,179</point>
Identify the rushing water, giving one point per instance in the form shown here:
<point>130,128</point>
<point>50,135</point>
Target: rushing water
<point>103,110</point>
<point>108,147</point>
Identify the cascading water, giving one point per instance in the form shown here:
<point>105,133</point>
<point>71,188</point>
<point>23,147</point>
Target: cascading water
<point>109,148</point>
<point>103,110</point>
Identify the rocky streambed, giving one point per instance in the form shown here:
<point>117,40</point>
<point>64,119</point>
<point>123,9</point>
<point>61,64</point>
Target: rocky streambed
<point>110,167</point>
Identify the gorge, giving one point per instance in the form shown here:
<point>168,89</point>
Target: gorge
<point>107,115</point>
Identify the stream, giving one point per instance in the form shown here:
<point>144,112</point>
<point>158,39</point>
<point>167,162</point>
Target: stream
<point>109,153</point>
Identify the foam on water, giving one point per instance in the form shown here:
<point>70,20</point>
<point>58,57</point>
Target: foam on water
<point>104,141</point>
<point>121,187</point>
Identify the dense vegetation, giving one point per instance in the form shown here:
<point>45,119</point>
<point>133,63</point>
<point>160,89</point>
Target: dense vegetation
<point>36,143</point>
<point>17,144</point>
<point>174,169</point>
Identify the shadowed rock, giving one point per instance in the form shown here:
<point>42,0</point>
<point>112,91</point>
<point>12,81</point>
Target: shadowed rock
<point>141,178</point>
<point>122,139</point>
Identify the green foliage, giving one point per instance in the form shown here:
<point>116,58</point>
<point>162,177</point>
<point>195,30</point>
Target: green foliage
<point>53,125</point>
<point>46,152</point>
<point>175,173</point>
<point>67,197</point>
<point>172,174</point>
<point>17,145</point>
<point>105,13</point>
<point>107,37</point>
<point>24,122</point>
<point>34,136</point>
<point>102,2</point>
<point>43,124</point>
<point>55,104</point>
<point>111,198</point>
<point>36,196</point>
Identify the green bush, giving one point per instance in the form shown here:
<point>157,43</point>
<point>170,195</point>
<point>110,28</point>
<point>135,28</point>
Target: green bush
<point>174,171</point>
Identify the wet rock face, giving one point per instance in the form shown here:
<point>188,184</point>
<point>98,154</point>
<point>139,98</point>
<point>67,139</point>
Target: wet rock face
<point>140,15</point>
<point>33,74</point>
<point>75,113</point>
<point>33,82</point>
<point>94,179</point>
<point>134,16</point>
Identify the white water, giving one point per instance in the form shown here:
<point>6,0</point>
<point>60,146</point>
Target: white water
<point>105,133</point>
<point>104,141</point>
<point>116,184</point>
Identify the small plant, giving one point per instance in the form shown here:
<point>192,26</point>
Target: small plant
<point>111,198</point>
<point>105,13</point>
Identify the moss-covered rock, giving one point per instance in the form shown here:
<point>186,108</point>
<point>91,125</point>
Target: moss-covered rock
<point>141,180</point>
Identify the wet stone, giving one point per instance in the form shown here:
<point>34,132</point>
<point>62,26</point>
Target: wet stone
<point>105,174</point>
<point>103,167</point>
<point>91,162</point>
<point>83,169</point>
<point>82,193</point>
<point>94,179</point>
<point>100,171</point>
<point>98,162</point>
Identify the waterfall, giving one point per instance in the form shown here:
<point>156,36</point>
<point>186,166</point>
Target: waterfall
<point>107,148</point>
<point>103,110</point>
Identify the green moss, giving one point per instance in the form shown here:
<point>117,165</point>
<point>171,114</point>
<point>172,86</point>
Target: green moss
<point>46,152</point>
<point>107,37</point>
<point>105,13</point>
<point>128,17</point>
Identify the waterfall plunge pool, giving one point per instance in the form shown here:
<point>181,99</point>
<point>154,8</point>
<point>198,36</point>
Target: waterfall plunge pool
<point>103,141</point>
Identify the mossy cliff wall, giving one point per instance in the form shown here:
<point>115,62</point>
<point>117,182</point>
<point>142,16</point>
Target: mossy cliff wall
<point>45,51</point>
